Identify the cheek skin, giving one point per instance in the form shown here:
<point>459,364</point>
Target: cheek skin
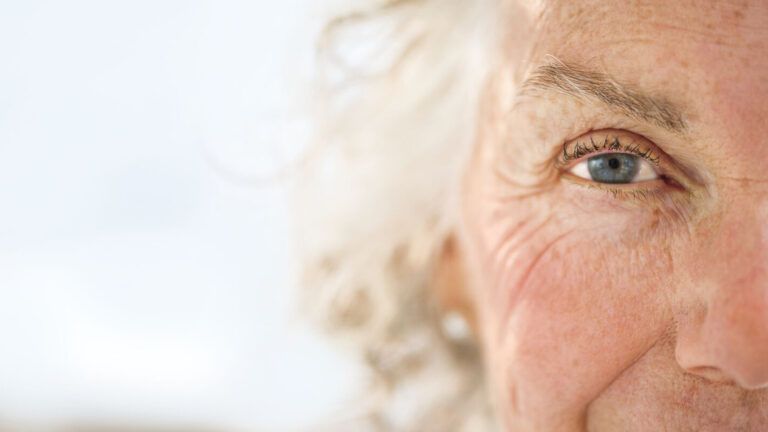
<point>566,316</point>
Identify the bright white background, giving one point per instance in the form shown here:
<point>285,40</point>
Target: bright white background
<point>145,269</point>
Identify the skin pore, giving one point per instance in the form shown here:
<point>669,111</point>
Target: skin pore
<point>625,307</point>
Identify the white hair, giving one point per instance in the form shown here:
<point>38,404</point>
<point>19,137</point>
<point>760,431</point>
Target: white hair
<point>396,105</point>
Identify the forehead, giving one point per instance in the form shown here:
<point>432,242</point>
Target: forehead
<point>723,20</point>
<point>613,30</point>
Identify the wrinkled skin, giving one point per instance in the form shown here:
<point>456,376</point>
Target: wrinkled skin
<point>609,310</point>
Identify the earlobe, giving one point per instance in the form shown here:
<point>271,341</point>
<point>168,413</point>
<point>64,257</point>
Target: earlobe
<point>449,288</point>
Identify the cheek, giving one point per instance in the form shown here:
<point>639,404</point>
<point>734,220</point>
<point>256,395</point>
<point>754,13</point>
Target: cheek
<point>570,301</point>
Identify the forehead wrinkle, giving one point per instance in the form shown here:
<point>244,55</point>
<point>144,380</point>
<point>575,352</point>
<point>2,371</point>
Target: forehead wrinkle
<point>581,83</point>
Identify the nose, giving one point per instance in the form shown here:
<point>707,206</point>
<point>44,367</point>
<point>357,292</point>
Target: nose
<point>724,336</point>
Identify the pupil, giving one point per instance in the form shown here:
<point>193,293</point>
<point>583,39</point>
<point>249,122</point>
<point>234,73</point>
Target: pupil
<point>614,163</point>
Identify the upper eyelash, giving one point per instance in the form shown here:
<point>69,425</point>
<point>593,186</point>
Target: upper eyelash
<point>581,149</point>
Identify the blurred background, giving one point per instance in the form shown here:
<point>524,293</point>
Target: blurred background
<point>145,245</point>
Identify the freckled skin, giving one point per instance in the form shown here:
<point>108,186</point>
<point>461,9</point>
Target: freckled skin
<point>606,315</point>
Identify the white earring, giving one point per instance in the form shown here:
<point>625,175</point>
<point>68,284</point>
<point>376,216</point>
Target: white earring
<point>455,327</point>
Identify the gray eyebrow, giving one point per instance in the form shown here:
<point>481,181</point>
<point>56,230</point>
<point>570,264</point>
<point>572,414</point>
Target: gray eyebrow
<point>586,84</point>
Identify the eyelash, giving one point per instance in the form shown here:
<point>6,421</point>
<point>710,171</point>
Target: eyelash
<point>582,149</point>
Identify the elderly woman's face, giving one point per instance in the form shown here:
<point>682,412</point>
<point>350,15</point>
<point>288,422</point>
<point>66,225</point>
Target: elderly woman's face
<point>616,214</point>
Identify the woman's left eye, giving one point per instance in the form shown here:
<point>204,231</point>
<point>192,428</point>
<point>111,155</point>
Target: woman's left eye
<point>615,168</point>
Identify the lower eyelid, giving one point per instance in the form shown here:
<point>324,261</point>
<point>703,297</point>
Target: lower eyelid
<point>641,194</point>
<point>646,185</point>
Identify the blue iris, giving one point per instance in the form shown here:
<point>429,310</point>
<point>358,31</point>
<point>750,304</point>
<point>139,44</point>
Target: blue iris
<point>613,168</point>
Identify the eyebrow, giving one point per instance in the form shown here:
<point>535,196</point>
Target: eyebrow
<point>586,84</point>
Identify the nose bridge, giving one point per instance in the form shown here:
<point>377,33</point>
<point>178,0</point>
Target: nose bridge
<point>736,245</point>
<point>735,265</point>
<point>728,337</point>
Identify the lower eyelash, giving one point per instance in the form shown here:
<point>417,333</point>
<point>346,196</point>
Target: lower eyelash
<point>639,195</point>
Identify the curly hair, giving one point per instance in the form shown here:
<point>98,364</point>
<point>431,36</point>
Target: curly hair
<point>395,109</point>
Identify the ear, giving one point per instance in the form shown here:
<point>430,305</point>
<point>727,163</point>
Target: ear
<point>450,288</point>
